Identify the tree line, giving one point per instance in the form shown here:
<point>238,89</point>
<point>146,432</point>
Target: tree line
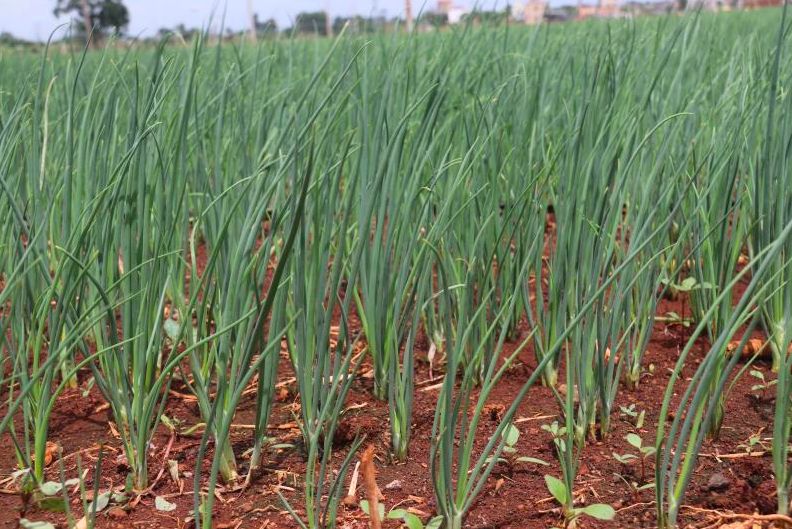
<point>96,20</point>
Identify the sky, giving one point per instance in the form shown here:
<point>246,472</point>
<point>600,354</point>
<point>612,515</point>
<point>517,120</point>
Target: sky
<point>33,19</point>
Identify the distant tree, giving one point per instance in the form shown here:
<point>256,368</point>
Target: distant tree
<point>100,15</point>
<point>570,11</point>
<point>313,22</point>
<point>359,25</point>
<point>8,39</point>
<point>339,23</point>
<point>266,28</point>
<point>185,32</point>
<point>435,19</point>
<point>489,17</point>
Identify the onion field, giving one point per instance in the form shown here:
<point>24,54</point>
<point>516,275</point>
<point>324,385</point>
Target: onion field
<point>485,277</point>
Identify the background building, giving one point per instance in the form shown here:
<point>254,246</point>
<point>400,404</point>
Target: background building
<point>532,12</point>
<point>453,13</point>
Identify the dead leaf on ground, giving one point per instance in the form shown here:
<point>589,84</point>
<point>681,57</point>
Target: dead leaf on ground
<point>50,451</point>
<point>229,525</point>
<point>746,524</point>
<point>369,473</point>
<point>351,497</point>
<point>494,411</point>
<point>754,346</point>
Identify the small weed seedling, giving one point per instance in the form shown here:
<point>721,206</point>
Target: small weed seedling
<point>557,432</point>
<point>559,491</point>
<point>755,443</point>
<point>644,452</point>
<point>689,284</point>
<point>673,318</point>
<point>635,488</point>
<point>763,384</point>
<point>410,520</point>
<point>632,415</point>
<point>509,455</point>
